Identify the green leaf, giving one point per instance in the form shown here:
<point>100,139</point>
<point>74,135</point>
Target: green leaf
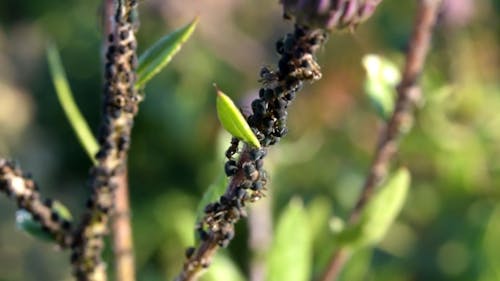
<point>233,121</point>
<point>156,57</point>
<point>75,117</point>
<point>380,85</point>
<point>25,222</point>
<point>290,256</point>
<point>214,191</point>
<point>61,210</point>
<point>379,214</point>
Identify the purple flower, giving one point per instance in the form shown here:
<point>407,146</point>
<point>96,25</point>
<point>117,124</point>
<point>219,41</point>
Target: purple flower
<point>329,14</point>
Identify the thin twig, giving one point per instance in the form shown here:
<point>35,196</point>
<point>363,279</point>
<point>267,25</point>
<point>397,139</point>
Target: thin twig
<point>408,94</point>
<point>259,238</point>
<point>268,121</point>
<point>123,247</point>
<point>20,187</point>
<point>120,107</point>
<point>121,228</point>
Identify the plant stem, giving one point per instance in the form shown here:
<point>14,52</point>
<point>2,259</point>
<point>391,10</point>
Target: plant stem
<point>247,184</point>
<point>408,94</point>
<point>260,238</point>
<point>123,247</point>
<point>120,105</point>
<point>21,188</point>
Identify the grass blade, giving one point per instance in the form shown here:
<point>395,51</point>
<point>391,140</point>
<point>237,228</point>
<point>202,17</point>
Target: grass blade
<point>156,57</point>
<point>290,257</point>
<point>65,96</point>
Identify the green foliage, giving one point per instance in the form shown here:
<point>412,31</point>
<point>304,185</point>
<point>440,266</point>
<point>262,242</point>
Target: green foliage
<point>490,246</point>
<point>290,255</point>
<point>65,96</point>
<point>223,268</point>
<point>380,84</point>
<point>233,121</point>
<point>379,213</point>
<point>25,222</point>
<point>214,191</point>
<point>156,57</point>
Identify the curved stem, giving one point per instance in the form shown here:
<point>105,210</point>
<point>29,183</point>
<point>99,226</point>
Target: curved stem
<point>408,93</point>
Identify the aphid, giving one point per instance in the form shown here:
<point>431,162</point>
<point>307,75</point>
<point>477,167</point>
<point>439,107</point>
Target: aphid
<point>233,148</point>
<point>259,106</point>
<point>124,34</point>
<point>250,172</point>
<point>280,131</point>
<point>267,76</point>
<point>230,168</point>
<point>54,216</point>
<point>203,234</point>
<point>257,185</point>
<point>280,47</point>
<point>284,65</point>
<point>66,225</point>
<point>48,202</point>
<point>246,184</point>
<point>259,164</point>
<point>189,252</point>
<point>257,154</point>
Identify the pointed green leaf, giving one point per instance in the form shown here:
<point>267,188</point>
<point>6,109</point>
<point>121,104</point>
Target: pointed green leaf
<point>233,121</point>
<point>61,210</point>
<point>380,84</point>
<point>213,193</point>
<point>290,257</point>
<point>25,222</point>
<point>156,57</point>
<point>75,117</point>
<point>379,214</point>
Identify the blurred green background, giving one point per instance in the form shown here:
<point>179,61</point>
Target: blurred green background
<point>449,228</point>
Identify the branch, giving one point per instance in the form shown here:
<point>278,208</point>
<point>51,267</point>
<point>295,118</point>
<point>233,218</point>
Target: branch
<point>408,94</point>
<point>120,107</point>
<point>20,187</point>
<point>123,248</point>
<point>268,121</point>
<point>260,237</point>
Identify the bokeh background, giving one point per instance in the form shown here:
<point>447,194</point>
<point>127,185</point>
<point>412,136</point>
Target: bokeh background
<point>449,228</point>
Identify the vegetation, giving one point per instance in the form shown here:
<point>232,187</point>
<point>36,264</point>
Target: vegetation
<point>333,199</point>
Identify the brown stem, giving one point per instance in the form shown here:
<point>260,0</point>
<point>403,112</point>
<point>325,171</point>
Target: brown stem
<point>25,192</point>
<point>121,228</point>
<point>120,105</point>
<point>260,238</point>
<point>296,66</point>
<point>122,233</point>
<point>408,94</point>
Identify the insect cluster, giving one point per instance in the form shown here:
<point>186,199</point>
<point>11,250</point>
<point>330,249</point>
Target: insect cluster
<point>268,122</point>
<point>26,192</point>
<point>121,102</point>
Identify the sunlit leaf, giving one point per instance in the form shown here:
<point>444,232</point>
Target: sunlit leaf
<point>491,244</point>
<point>290,257</point>
<point>380,84</point>
<point>25,222</point>
<point>233,121</point>
<point>380,212</point>
<point>156,57</point>
<point>65,96</point>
